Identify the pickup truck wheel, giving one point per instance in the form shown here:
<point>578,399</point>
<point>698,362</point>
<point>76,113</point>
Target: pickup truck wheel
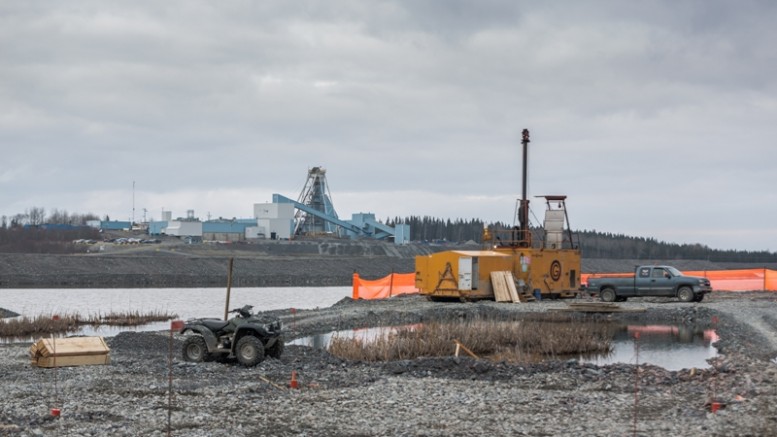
<point>607,295</point>
<point>685,294</point>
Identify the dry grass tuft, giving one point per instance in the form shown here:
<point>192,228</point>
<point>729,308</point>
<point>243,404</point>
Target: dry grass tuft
<point>519,341</point>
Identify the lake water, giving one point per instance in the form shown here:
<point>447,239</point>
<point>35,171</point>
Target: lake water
<point>185,302</point>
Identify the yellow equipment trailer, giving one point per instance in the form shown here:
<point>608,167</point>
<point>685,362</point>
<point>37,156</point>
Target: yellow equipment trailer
<point>460,274</point>
<point>542,261</point>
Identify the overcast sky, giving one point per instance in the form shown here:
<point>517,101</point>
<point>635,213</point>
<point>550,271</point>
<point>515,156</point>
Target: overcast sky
<point>656,118</point>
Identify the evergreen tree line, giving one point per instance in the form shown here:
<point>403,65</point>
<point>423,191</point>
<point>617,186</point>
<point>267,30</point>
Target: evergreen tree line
<point>593,244</point>
<point>433,229</point>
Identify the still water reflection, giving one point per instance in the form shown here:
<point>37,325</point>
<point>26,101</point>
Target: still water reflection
<point>667,346</point>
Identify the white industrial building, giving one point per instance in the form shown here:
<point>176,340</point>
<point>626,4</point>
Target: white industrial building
<point>273,220</point>
<point>184,228</point>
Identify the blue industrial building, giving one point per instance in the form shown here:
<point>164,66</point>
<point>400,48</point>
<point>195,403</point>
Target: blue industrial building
<point>115,225</point>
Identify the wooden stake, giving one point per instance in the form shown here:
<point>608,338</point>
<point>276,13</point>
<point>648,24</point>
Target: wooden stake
<point>170,384</point>
<point>469,352</point>
<point>391,283</point>
<point>271,383</point>
<point>229,288</point>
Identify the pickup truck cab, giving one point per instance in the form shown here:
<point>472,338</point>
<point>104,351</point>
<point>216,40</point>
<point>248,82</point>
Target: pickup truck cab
<point>650,281</point>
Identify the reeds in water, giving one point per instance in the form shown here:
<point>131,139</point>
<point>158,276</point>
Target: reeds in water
<point>31,326</point>
<point>48,324</point>
<point>129,318</point>
<point>518,341</point>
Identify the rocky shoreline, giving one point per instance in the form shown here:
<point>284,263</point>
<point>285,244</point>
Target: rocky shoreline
<point>427,396</point>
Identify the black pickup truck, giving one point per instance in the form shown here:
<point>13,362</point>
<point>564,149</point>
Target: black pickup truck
<point>650,281</point>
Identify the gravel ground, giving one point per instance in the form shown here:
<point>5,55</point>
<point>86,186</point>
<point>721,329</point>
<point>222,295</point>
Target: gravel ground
<point>426,396</point>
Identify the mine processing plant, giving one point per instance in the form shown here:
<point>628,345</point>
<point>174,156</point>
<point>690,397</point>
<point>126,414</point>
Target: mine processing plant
<point>315,215</point>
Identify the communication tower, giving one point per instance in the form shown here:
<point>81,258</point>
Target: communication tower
<point>316,195</point>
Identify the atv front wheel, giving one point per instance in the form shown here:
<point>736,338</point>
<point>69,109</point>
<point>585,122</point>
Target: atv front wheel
<point>249,351</point>
<point>195,350</point>
<point>276,350</point>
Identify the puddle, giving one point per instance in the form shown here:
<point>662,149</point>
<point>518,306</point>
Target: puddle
<point>321,341</point>
<point>667,346</point>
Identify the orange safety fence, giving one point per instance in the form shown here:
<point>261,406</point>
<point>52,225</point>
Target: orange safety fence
<point>392,285</point>
<point>721,280</point>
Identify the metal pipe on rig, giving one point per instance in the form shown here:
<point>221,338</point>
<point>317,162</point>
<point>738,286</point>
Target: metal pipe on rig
<point>523,210</point>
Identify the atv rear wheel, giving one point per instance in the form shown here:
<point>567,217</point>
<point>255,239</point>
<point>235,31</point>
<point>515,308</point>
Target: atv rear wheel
<point>249,351</point>
<point>276,350</point>
<point>196,350</point>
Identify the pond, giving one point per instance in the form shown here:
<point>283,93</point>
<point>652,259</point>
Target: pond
<point>668,346</point>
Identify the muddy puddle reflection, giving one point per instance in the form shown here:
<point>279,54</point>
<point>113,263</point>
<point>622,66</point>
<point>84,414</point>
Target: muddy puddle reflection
<point>668,346</point>
<point>321,341</point>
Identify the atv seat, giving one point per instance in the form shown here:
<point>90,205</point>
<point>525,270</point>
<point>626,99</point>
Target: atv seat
<point>215,325</point>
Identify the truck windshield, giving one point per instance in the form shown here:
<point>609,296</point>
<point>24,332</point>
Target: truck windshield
<point>674,271</point>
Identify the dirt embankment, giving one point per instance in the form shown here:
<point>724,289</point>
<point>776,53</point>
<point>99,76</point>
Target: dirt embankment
<point>265,264</point>
<point>206,265</point>
<point>51,271</point>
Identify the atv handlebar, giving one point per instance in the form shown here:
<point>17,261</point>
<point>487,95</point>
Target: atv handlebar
<point>244,311</point>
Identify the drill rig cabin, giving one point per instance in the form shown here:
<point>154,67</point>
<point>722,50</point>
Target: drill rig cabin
<point>531,262</point>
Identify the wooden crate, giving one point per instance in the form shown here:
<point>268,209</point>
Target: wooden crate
<point>66,352</point>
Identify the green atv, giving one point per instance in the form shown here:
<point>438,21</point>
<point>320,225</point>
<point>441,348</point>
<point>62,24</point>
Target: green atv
<point>247,337</point>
